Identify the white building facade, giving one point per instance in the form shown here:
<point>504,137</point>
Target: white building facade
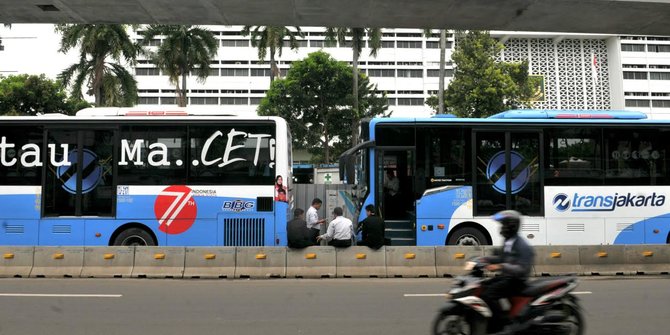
<point>576,71</point>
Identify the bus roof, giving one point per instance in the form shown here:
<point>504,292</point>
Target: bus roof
<point>156,111</point>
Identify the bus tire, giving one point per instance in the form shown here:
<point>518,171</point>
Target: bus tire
<point>468,236</point>
<point>134,237</point>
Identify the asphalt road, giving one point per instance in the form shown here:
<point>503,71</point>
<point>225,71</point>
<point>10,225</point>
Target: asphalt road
<point>616,305</point>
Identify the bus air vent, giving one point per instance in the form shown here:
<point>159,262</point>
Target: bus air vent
<point>247,232</point>
<point>264,204</point>
<point>61,229</point>
<point>14,229</point>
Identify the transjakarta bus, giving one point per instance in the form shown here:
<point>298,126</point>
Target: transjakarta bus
<point>578,177</point>
<point>121,176</point>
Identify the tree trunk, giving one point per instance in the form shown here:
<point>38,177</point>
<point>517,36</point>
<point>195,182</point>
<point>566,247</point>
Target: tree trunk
<point>440,91</point>
<point>98,92</point>
<point>355,121</point>
<point>273,65</point>
<point>327,143</point>
<point>182,99</point>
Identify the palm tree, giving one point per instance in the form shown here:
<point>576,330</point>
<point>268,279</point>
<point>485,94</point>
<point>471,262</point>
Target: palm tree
<point>183,49</point>
<point>443,47</point>
<point>357,43</point>
<point>271,37</point>
<point>98,44</point>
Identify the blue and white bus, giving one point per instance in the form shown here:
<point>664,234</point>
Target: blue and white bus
<point>124,176</point>
<point>579,177</point>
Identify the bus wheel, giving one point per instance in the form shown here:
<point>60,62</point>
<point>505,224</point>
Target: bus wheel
<point>467,236</point>
<point>134,237</point>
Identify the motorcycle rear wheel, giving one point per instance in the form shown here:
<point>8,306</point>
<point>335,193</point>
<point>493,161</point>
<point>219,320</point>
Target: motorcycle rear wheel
<point>455,323</point>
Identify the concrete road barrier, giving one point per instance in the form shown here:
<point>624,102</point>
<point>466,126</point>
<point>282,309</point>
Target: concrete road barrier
<point>647,259</point>
<point>205,262</point>
<point>159,262</point>
<point>108,262</point>
<point>449,260</point>
<point>361,262</point>
<point>605,260</point>
<point>58,262</point>
<point>16,261</point>
<point>410,262</point>
<point>260,262</point>
<point>311,262</point>
<point>557,261</point>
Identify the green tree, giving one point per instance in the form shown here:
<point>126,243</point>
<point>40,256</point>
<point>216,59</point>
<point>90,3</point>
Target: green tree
<point>31,95</point>
<point>443,51</point>
<point>272,38</point>
<point>315,98</point>
<point>101,49</point>
<point>481,85</point>
<point>184,49</point>
<point>357,36</point>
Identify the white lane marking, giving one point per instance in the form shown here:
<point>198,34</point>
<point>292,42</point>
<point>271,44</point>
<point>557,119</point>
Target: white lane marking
<point>426,295</point>
<point>581,292</point>
<point>61,295</point>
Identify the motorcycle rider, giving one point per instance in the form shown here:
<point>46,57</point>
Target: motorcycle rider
<point>514,263</point>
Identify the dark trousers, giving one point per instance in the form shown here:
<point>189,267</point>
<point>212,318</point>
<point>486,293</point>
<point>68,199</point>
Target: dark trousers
<point>496,289</point>
<point>315,232</point>
<point>340,243</point>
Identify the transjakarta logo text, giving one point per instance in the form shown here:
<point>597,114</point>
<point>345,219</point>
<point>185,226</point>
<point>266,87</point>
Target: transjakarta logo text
<point>605,203</point>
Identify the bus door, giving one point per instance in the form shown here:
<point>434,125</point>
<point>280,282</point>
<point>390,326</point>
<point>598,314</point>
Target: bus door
<point>508,176</point>
<point>395,193</point>
<point>78,182</point>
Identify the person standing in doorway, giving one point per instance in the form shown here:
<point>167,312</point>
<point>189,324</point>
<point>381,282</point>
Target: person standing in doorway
<point>313,221</point>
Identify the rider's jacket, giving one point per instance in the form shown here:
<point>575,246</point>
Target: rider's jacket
<point>516,258</point>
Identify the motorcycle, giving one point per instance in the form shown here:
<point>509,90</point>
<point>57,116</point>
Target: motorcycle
<point>545,306</point>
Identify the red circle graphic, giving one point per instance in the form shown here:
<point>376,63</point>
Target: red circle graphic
<point>175,209</point>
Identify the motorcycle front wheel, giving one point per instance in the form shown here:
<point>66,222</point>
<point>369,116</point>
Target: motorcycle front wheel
<point>455,323</point>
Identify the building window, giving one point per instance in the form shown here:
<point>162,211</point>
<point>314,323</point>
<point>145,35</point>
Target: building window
<point>235,43</point>
<point>168,101</point>
<point>260,72</point>
<point>410,92</point>
<point>436,45</point>
<point>436,73</point>
<point>410,73</point>
<point>204,101</point>
<point>637,103</point>
<point>636,94</point>
<point>388,44</point>
<point>381,72</point>
<point>316,44</point>
<point>632,47</point>
<point>410,101</point>
<point>409,44</point>
<point>234,101</point>
<point>391,101</point>
<point>660,103</point>
<point>634,75</point>
<point>660,94</point>
<point>634,66</point>
<point>147,72</point>
<point>659,75</point>
<point>300,43</point>
<point>147,101</point>
<point>213,71</point>
<point>659,66</point>
<point>235,72</point>
<point>255,100</point>
<point>658,48</point>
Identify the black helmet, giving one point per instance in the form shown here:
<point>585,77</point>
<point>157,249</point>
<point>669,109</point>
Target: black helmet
<point>510,220</point>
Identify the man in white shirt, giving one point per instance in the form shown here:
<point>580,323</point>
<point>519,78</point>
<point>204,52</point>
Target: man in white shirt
<point>340,230</point>
<point>313,221</point>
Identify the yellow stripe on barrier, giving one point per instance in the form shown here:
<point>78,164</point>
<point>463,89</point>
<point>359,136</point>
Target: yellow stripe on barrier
<point>9,256</point>
<point>555,255</point>
<point>210,256</point>
<point>261,256</point>
<point>361,256</point>
<point>59,256</point>
<point>648,254</point>
<point>602,254</point>
<point>108,256</point>
<point>159,256</point>
<point>310,256</point>
<point>410,255</point>
<point>459,256</point>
